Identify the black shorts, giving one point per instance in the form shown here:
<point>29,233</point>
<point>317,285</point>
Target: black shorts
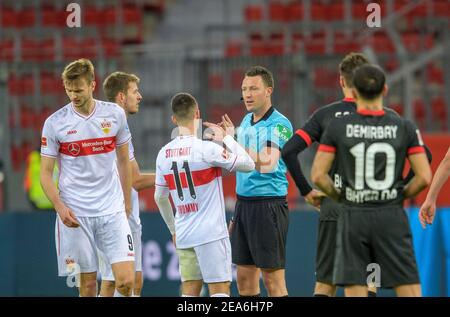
<point>326,241</point>
<point>259,233</point>
<point>371,238</point>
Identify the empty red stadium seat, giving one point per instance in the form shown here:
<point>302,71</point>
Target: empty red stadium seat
<point>277,11</point>
<point>318,11</point>
<point>419,113</point>
<point>297,42</point>
<point>236,77</point>
<point>53,17</point>
<point>110,47</point>
<point>26,117</point>
<point>294,11</point>
<point>21,85</point>
<point>215,81</point>
<point>233,48</point>
<point>381,43</point>
<point>435,75</point>
<point>253,13</point>
<point>335,10</point>
<point>275,45</point>
<point>257,45</point>
<point>441,8</point>
<point>50,84</point>
<point>8,17</point>
<point>440,112</point>
<point>38,50</point>
<point>26,17</point>
<point>316,43</point>
<point>344,43</point>
<point>359,10</point>
<point>397,108</point>
<point>6,50</point>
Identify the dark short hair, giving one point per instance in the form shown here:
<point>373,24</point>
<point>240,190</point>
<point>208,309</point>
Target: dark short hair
<point>265,74</point>
<point>369,81</point>
<point>183,106</point>
<point>348,65</point>
<point>118,82</point>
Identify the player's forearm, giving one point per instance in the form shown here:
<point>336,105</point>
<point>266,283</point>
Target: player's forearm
<point>289,154</point>
<point>440,177</point>
<point>124,168</point>
<point>244,162</point>
<point>50,190</point>
<point>144,180</point>
<point>324,182</point>
<point>264,162</point>
<point>415,186</point>
<point>165,210</point>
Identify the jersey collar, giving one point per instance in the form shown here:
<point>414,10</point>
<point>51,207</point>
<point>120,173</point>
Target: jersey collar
<point>375,113</point>
<point>264,117</point>
<point>83,116</point>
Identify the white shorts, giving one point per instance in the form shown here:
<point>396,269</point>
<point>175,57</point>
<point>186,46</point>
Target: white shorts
<point>209,262</point>
<point>76,248</point>
<point>105,268</point>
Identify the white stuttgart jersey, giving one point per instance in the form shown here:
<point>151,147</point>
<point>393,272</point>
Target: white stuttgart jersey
<point>84,147</point>
<point>134,219</point>
<point>191,169</point>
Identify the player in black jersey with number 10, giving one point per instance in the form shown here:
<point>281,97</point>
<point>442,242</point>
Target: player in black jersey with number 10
<point>370,148</point>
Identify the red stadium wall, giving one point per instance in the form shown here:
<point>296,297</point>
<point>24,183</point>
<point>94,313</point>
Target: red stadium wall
<point>438,144</point>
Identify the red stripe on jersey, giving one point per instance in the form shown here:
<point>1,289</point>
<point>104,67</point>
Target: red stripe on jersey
<point>415,150</point>
<point>348,99</point>
<point>88,147</point>
<point>375,113</point>
<point>200,177</point>
<point>304,135</point>
<point>326,148</point>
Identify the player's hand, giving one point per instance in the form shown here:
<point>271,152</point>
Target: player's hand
<point>227,125</point>
<point>230,226</point>
<point>67,216</point>
<point>128,210</point>
<point>427,212</point>
<point>174,240</point>
<point>314,198</point>
<point>214,132</point>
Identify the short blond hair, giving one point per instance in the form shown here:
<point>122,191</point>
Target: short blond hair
<point>118,82</point>
<point>81,68</point>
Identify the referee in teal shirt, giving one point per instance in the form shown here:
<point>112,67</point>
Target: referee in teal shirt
<point>261,219</point>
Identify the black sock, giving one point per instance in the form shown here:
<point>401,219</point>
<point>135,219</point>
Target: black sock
<point>320,295</point>
<point>372,294</point>
<point>256,295</point>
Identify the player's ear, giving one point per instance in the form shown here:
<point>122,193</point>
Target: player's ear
<point>385,90</point>
<point>93,84</point>
<point>197,114</point>
<point>269,91</point>
<point>174,120</point>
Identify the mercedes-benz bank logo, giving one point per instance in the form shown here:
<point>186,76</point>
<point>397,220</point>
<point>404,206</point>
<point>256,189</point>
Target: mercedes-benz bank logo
<point>74,149</point>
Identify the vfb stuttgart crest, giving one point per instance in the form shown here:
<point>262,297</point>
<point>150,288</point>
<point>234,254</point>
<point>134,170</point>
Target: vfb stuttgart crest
<point>106,126</point>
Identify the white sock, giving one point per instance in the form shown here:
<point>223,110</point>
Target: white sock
<point>220,295</point>
<point>117,294</point>
<point>183,295</point>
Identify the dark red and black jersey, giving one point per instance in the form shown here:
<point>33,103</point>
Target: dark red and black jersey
<point>371,148</point>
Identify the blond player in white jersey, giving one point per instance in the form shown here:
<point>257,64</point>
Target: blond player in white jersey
<point>89,140</point>
<point>190,170</point>
<point>122,88</point>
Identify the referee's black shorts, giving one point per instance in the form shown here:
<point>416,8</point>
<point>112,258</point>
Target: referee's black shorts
<point>372,238</point>
<point>259,232</point>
